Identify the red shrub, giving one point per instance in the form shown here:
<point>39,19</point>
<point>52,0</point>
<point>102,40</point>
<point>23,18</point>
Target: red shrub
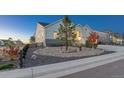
<point>92,40</point>
<point>93,37</point>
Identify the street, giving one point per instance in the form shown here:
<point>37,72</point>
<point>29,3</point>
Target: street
<point>111,70</point>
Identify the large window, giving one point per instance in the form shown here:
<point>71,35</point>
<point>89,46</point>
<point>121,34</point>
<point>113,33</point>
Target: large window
<point>55,35</point>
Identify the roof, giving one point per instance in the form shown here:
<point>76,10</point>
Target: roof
<point>18,42</point>
<point>81,25</point>
<point>4,42</point>
<point>54,22</point>
<point>43,24</point>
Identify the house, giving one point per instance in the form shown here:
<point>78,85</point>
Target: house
<point>18,43</point>
<point>1,43</point>
<point>103,37</point>
<point>46,34</point>
<point>4,42</point>
<point>117,40</point>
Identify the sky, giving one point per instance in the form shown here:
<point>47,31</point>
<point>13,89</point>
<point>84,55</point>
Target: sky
<point>23,26</point>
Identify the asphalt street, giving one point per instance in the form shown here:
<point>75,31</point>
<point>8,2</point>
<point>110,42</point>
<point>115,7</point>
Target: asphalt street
<point>111,70</point>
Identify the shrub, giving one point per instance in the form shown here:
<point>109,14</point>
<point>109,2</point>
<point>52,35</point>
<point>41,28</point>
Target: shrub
<point>92,40</point>
<point>6,66</point>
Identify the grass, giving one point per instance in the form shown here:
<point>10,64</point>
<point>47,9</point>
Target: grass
<point>6,66</point>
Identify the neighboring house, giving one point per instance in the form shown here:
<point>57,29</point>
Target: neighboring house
<point>103,37</point>
<point>114,39</point>
<point>18,42</point>
<point>117,40</point>
<point>123,41</point>
<point>1,47</point>
<point>4,42</point>
<point>46,34</point>
<point>1,43</point>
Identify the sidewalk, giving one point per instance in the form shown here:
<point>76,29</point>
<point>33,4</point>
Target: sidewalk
<point>65,68</point>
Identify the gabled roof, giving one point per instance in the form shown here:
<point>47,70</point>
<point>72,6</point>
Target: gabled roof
<point>79,25</point>
<point>43,24</point>
<point>54,22</point>
<point>87,26</point>
<point>49,24</point>
<point>18,42</point>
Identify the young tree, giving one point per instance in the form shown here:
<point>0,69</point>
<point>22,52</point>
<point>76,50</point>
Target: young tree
<point>65,31</point>
<point>93,39</point>
<point>76,39</point>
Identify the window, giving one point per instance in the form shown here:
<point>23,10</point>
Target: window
<point>55,35</point>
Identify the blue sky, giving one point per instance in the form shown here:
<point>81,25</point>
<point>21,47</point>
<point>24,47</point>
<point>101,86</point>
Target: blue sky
<point>22,27</point>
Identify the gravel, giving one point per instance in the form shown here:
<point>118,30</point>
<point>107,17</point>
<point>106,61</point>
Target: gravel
<point>50,55</point>
<point>73,52</point>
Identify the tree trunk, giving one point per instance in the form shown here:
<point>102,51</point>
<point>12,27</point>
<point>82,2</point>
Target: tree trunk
<point>66,42</point>
<point>80,48</point>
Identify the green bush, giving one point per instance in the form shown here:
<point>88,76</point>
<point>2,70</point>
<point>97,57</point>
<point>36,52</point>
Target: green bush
<point>6,66</point>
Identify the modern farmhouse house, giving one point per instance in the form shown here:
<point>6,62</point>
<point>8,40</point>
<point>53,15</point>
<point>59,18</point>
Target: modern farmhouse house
<point>46,34</point>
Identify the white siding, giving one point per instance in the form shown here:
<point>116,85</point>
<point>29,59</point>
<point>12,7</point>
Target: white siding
<point>45,34</point>
<point>85,31</point>
<point>51,29</point>
<point>103,37</point>
<point>39,34</point>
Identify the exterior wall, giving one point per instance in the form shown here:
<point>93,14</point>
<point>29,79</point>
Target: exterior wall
<point>86,32</point>
<point>103,37</point>
<point>40,34</point>
<point>119,41</point>
<point>50,29</point>
<point>114,39</point>
<point>46,34</point>
<point>83,33</point>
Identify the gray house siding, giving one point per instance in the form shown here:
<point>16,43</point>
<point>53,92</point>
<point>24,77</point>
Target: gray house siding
<point>44,34</point>
<point>86,32</point>
<point>49,30</point>
<point>40,34</point>
<point>82,33</point>
<point>103,37</point>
